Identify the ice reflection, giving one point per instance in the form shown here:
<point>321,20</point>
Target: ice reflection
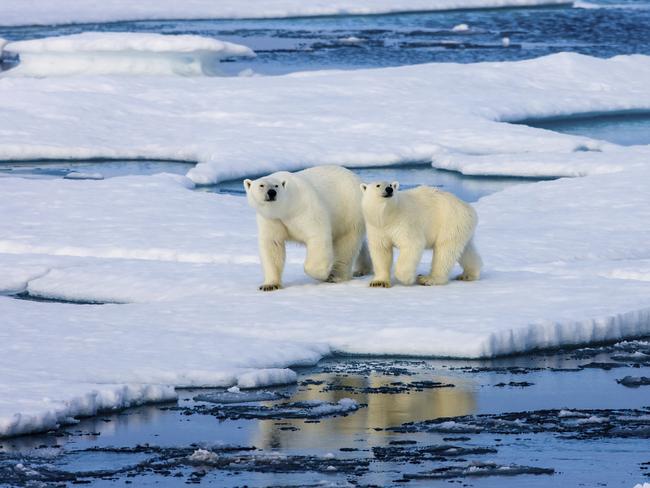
<point>383,409</point>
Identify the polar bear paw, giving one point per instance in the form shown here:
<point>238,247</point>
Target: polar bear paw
<point>428,280</point>
<point>270,287</point>
<point>379,284</point>
<point>467,277</point>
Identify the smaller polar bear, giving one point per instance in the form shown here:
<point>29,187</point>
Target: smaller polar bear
<point>415,220</point>
<point>319,207</point>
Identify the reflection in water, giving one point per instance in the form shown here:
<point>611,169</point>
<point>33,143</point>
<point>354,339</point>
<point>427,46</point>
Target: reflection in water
<point>383,409</point>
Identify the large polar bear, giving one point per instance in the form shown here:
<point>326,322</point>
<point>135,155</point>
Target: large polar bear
<point>415,220</point>
<point>319,207</point>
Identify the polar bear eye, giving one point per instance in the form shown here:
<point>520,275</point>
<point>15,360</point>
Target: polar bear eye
<point>378,186</point>
<point>276,186</point>
<point>261,186</point>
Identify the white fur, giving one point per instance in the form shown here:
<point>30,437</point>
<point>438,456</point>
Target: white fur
<point>319,207</point>
<point>415,220</point>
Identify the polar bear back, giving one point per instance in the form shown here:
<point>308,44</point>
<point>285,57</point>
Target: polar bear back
<point>438,214</point>
<point>338,190</point>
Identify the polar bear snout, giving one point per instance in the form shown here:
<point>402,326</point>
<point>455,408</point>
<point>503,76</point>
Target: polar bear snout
<point>388,192</point>
<point>271,195</point>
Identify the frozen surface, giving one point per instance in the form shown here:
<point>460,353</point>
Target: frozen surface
<point>331,117</point>
<point>566,261</point>
<point>32,12</point>
<point>123,53</point>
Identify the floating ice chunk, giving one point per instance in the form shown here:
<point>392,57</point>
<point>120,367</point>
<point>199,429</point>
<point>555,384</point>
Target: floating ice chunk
<point>505,41</point>
<point>122,53</point>
<point>3,42</point>
<point>78,175</point>
<point>234,389</point>
<point>634,381</point>
<point>238,396</point>
<point>351,40</point>
<point>460,28</point>
<point>202,456</point>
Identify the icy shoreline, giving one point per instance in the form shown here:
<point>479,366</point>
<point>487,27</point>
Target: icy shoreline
<point>42,12</point>
<point>566,261</point>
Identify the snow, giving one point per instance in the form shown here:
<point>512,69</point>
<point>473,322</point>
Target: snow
<point>566,260</point>
<point>331,117</point>
<point>44,12</point>
<point>78,175</point>
<point>125,53</point>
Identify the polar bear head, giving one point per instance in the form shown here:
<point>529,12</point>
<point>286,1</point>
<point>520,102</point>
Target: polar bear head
<point>382,191</point>
<point>269,196</point>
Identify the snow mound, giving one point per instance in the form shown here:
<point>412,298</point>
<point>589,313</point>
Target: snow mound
<point>122,53</point>
<point>39,12</point>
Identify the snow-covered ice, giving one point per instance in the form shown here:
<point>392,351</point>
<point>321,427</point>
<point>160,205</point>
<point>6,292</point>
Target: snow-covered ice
<point>40,12</point>
<point>566,260</point>
<point>126,53</point>
<point>451,113</point>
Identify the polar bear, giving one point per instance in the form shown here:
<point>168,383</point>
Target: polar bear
<point>319,207</point>
<point>415,220</point>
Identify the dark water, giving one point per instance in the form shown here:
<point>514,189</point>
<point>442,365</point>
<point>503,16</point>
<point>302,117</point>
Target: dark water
<point>569,423</point>
<point>286,45</point>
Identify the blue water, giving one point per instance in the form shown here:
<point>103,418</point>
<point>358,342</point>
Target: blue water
<point>286,45</point>
<point>623,129</point>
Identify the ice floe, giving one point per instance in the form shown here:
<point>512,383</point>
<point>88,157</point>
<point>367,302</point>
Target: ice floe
<point>178,270</point>
<point>35,12</point>
<point>451,114</point>
<point>125,53</point>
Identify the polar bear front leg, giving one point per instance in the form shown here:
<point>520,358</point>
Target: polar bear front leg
<point>272,255</point>
<point>381,253</point>
<point>320,258</point>
<point>408,260</point>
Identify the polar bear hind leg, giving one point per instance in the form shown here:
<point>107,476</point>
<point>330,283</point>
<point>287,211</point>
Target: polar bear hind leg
<point>471,263</point>
<point>445,255</point>
<point>363,265</point>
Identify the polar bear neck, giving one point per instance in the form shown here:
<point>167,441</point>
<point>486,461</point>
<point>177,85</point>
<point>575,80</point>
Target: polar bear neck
<point>383,211</point>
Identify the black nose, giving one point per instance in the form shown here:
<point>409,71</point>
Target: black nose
<point>271,193</point>
<point>389,190</point>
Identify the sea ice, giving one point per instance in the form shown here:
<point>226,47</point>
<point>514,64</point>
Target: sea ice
<point>123,53</point>
<point>331,117</point>
<point>566,261</point>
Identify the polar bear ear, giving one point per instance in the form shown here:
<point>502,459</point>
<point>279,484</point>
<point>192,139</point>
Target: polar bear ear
<point>395,185</point>
<point>363,186</point>
<point>284,183</point>
<point>247,184</point>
